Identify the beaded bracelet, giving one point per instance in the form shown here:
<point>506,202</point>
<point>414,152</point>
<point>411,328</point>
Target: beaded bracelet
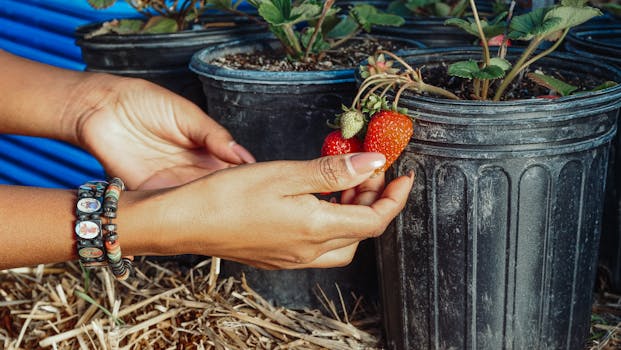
<point>90,245</point>
<point>120,266</point>
<point>97,241</point>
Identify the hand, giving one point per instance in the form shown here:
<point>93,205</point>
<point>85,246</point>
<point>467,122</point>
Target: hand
<point>153,138</point>
<point>265,214</point>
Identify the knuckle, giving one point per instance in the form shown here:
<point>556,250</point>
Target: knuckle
<point>332,171</point>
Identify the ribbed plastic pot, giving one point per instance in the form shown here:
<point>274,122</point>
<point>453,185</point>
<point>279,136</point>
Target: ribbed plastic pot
<point>282,115</point>
<point>602,41</point>
<point>497,246</point>
<point>160,58</point>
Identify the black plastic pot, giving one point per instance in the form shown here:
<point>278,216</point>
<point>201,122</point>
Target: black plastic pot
<point>603,42</point>
<point>282,115</point>
<point>160,58</point>
<point>497,246</point>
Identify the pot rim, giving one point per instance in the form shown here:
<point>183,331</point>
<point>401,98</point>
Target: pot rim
<point>487,111</point>
<point>198,64</point>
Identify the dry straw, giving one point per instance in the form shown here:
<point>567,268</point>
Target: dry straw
<point>165,307</point>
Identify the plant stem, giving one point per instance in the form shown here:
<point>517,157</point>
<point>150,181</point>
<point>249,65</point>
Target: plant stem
<point>517,67</point>
<point>345,38</point>
<point>398,59</point>
<point>437,91</point>
<point>324,12</point>
<point>547,51</point>
<point>292,40</point>
<point>486,55</point>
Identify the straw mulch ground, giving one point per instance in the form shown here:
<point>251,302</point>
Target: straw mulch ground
<point>164,307</point>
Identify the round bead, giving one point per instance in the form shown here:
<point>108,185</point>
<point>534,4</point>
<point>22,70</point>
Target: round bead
<point>90,252</point>
<point>87,229</point>
<point>88,205</point>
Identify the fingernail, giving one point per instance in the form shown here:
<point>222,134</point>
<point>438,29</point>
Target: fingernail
<point>242,152</point>
<point>362,163</point>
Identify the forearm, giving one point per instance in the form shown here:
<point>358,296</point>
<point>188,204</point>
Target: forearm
<point>42,100</point>
<point>37,225</point>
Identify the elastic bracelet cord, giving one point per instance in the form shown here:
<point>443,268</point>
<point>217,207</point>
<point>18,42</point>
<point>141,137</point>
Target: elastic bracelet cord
<point>88,227</point>
<point>120,266</point>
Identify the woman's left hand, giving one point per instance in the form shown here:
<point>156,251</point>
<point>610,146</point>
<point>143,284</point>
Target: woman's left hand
<point>153,138</point>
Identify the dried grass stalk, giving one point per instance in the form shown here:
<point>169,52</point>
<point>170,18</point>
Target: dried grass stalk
<point>162,307</point>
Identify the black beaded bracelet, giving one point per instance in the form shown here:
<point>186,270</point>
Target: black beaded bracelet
<point>120,266</point>
<point>88,227</point>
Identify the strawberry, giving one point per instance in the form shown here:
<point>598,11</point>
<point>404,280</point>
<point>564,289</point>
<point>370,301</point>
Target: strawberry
<point>550,97</point>
<point>335,144</point>
<point>497,40</point>
<point>388,132</point>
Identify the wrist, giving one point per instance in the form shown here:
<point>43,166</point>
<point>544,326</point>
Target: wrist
<point>140,224</point>
<point>91,93</point>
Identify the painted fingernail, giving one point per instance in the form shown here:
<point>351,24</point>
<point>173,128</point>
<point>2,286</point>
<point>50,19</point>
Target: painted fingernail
<point>362,163</point>
<point>242,152</point>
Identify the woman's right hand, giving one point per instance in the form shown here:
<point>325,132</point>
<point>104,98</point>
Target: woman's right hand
<point>266,215</point>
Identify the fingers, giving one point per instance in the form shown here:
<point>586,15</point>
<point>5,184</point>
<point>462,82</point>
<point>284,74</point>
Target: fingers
<point>350,221</point>
<point>330,174</point>
<point>334,258</point>
<point>366,193</point>
<point>216,139</point>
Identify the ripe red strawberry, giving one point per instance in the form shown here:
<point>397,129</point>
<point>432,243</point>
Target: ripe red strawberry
<point>388,132</point>
<point>335,144</point>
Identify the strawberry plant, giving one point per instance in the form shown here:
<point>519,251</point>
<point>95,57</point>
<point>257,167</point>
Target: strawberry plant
<point>393,76</point>
<point>497,73</point>
<point>308,28</point>
<point>160,16</point>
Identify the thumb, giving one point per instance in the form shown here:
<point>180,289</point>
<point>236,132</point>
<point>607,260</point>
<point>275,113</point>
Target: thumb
<point>337,173</point>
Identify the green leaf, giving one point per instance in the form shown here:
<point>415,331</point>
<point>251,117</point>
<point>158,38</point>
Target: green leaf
<point>605,85</point>
<point>459,9</point>
<point>464,69</point>
<point>306,11</point>
<point>490,72</point>
<point>127,26</point>
<point>490,29</point>
<point>101,4</point>
<point>398,7</point>
<point>574,3</point>
<point>500,62</point>
<point>442,9</point>
<point>470,69</point>
<point>160,24</point>
<point>345,27</point>
<point>368,16</point>
<point>531,24</point>
<point>272,14</point>
<point>416,5</point>
<point>319,45</point>
<point>570,16</point>
<point>552,83</point>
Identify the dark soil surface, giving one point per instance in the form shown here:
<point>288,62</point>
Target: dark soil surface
<point>521,88</point>
<point>343,57</point>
